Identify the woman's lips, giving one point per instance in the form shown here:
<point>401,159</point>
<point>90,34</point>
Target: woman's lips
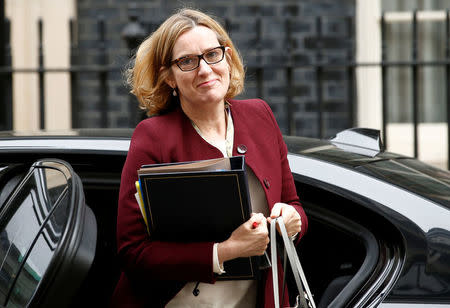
<point>207,83</point>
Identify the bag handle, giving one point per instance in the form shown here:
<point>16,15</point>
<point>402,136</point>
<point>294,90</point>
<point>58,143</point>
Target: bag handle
<point>306,300</point>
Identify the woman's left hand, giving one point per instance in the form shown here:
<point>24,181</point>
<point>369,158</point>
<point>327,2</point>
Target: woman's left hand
<point>291,217</point>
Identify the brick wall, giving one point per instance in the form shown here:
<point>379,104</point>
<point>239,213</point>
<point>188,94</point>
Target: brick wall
<point>270,48</point>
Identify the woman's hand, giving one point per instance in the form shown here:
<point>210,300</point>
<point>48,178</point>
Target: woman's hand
<point>249,239</point>
<point>291,217</point>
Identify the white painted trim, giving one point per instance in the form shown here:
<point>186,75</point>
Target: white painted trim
<point>369,85</point>
<point>432,141</point>
<point>24,15</point>
<point>368,50</point>
<point>396,17</point>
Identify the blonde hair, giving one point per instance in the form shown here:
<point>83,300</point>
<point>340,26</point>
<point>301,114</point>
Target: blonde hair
<point>153,61</point>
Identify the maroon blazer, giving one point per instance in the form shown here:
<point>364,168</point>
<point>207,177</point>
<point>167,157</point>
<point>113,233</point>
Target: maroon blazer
<point>153,272</point>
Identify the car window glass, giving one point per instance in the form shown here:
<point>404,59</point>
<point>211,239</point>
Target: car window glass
<point>440,174</point>
<point>10,176</point>
<point>22,221</point>
<point>407,175</point>
<point>330,152</point>
<point>37,262</point>
<point>56,223</point>
<point>30,276</point>
<point>50,184</point>
<point>58,166</point>
<point>7,188</point>
<point>2,169</point>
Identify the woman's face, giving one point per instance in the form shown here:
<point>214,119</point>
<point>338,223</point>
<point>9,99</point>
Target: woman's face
<point>208,83</point>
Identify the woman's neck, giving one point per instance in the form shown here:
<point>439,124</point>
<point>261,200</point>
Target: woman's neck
<point>210,120</point>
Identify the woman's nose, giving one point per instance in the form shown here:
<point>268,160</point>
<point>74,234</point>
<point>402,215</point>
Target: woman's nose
<point>204,67</point>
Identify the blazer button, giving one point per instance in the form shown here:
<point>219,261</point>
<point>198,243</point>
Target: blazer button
<point>242,149</point>
<point>266,183</point>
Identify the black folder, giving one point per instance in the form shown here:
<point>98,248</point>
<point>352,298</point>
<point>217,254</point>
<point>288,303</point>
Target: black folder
<point>198,201</point>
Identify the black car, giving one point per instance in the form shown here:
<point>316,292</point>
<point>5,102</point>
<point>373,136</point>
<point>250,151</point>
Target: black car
<point>379,223</point>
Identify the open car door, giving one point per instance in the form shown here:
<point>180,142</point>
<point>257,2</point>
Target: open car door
<point>47,238</point>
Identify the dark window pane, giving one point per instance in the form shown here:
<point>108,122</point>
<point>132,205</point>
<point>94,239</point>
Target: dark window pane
<point>50,183</point>
<point>55,225</point>
<point>22,224</point>
<point>31,274</point>
<point>39,258</point>
<point>17,236</point>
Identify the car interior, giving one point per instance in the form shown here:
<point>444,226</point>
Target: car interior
<point>344,249</point>
<point>341,253</point>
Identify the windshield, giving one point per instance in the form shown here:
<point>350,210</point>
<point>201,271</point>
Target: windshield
<point>415,176</point>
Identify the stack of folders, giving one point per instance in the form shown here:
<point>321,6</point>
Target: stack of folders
<point>195,202</point>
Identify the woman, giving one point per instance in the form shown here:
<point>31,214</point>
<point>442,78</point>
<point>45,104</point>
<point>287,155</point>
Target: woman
<point>185,75</point>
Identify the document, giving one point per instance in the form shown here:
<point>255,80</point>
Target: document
<point>196,202</point>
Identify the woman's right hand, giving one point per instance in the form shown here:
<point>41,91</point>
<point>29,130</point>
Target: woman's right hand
<point>249,239</point>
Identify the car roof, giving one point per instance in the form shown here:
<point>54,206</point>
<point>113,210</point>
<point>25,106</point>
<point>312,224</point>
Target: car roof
<point>402,171</point>
<point>80,132</point>
<point>99,141</point>
<point>333,152</point>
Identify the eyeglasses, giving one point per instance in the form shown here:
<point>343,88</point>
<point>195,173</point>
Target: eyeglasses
<point>191,62</point>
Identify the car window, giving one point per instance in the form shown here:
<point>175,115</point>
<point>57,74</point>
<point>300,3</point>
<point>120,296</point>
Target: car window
<point>439,174</point>
<point>415,176</point>
<point>30,228</point>
<point>2,169</point>
<point>10,176</point>
<point>36,264</point>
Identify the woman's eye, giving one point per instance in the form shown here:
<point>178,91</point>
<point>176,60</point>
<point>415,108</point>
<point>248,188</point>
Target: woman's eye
<point>187,61</point>
<point>211,55</point>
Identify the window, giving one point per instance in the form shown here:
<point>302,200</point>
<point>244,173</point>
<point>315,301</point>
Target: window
<point>431,42</point>
<point>398,125</point>
<point>30,228</point>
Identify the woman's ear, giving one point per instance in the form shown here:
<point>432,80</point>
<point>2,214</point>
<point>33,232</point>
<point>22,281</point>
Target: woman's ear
<point>169,80</point>
<point>229,51</point>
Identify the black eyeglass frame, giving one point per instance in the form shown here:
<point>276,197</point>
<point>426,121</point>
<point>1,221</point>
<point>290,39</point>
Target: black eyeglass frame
<point>176,61</point>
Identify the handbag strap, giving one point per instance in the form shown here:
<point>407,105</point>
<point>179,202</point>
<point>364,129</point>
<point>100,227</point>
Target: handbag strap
<point>273,252</point>
<point>296,267</point>
<point>273,257</point>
